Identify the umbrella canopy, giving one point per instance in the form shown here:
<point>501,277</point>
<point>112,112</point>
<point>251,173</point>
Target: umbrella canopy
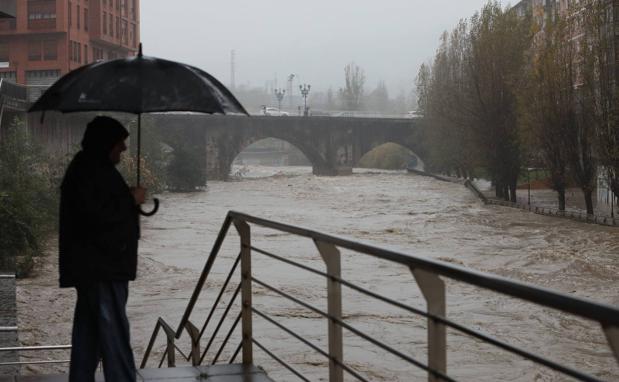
<point>138,85</point>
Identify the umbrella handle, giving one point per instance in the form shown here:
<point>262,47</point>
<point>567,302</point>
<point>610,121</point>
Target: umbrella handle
<point>153,211</point>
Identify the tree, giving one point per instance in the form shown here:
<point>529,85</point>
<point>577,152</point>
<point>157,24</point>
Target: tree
<point>498,42</point>
<point>378,99</point>
<point>548,101</point>
<point>597,139</point>
<point>352,94</point>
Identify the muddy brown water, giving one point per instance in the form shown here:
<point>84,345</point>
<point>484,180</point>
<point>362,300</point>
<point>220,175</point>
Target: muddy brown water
<point>416,215</point>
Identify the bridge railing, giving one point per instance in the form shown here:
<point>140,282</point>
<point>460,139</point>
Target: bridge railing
<point>428,274</point>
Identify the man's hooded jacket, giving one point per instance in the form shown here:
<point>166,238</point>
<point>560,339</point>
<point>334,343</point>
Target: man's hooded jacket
<point>99,228</point>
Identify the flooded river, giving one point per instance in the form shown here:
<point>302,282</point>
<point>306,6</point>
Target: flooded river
<point>416,215</point>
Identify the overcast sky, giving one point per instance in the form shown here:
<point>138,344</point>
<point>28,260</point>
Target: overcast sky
<point>313,39</point>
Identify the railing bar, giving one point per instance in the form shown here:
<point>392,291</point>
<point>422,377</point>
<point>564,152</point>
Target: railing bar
<point>225,342</point>
<point>186,358</point>
<point>34,348</point>
<point>236,352</point>
<point>221,321</point>
<point>503,345</point>
<point>32,362</point>
<point>306,342</point>
<point>221,292</point>
<point>281,362</point>
<point>151,342</point>
<point>602,313</point>
<point>163,357</point>
<point>205,272</point>
<point>290,262</point>
<point>357,332</point>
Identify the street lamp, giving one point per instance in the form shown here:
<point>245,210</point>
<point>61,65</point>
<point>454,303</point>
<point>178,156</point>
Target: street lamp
<point>305,89</point>
<point>279,94</point>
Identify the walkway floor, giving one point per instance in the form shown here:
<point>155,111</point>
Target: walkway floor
<point>216,373</point>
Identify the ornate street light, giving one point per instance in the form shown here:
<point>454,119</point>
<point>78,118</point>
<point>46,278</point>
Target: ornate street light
<point>305,89</point>
<point>279,94</point>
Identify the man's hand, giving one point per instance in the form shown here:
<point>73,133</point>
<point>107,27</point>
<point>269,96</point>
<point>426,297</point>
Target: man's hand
<point>139,194</point>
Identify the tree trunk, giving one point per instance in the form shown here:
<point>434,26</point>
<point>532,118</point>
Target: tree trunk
<point>589,201</point>
<point>512,193</point>
<point>561,195</point>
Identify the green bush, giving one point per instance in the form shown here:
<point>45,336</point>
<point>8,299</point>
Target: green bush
<point>389,156</point>
<point>28,199</point>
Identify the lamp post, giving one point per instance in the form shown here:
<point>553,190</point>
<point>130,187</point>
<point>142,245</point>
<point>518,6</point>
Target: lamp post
<point>279,94</point>
<point>305,89</point>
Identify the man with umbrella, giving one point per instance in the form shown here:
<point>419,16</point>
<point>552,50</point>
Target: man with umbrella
<point>98,242</point>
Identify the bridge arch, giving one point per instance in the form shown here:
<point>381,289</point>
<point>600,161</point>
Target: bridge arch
<point>311,154</point>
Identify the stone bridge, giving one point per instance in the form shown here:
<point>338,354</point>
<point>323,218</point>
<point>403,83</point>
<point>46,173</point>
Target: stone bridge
<point>333,145</point>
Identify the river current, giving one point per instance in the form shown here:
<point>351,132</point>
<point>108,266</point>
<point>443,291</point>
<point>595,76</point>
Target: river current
<point>412,214</point>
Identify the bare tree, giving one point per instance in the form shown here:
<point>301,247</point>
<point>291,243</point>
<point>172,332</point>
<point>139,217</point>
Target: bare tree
<point>352,94</point>
<point>548,101</point>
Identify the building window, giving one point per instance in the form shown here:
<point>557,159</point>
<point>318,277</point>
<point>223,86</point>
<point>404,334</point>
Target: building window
<point>133,13</point>
<point>133,36</point>
<point>78,16</point>
<point>79,52</point>
<point>117,26</point>
<point>41,14</point>
<point>86,20</point>
<point>11,76</point>
<point>34,50</point>
<point>111,25</point>
<point>50,50</point>
<point>70,14</point>
<point>124,33</point>
<point>85,53</point>
<point>104,23</point>
<point>4,51</point>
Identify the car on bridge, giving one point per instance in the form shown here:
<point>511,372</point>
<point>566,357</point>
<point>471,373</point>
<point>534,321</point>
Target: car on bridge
<point>274,112</point>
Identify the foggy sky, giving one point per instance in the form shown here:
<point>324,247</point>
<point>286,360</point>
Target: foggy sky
<point>313,39</point>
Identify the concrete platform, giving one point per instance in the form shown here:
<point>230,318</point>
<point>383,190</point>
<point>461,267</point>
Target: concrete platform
<point>216,373</point>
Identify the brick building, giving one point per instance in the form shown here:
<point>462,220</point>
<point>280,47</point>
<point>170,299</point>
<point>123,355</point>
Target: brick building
<point>48,38</point>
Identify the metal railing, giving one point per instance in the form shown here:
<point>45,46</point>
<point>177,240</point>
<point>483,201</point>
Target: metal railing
<point>428,275</point>
<point>18,349</point>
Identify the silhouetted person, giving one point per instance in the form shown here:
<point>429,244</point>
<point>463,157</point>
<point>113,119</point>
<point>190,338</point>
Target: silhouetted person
<point>98,242</point>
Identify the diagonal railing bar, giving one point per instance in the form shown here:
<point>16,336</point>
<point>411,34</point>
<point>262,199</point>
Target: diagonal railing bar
<point>280,361</point>
<point>355,331</point>
<point>163,356</point>
<point>225,341</point>
<point>236,352</point>
<point>306,342</point>
<point>466,330</point>
<point>221,321</point>
<point>603,313</point>
<point>205,272</point>
<point>221,292</point>
<point>185,357</point>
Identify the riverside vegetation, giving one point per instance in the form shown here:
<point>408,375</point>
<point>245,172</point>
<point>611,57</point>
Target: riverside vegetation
<point>507,91</point>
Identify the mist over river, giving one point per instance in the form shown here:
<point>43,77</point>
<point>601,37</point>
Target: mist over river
<point>416,215</point>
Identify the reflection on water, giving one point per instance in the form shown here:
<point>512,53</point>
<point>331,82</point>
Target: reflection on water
<point>416,215</point>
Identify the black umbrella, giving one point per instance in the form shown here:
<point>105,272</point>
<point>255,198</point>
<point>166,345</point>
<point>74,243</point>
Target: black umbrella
<point>138,85</point>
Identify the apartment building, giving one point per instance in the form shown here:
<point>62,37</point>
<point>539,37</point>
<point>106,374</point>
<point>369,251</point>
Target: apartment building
<point>48,38</point>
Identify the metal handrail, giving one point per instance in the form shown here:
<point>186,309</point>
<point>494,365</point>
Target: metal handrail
<point>34,348</point>
<point>603,313</point>
<point>426,271</point>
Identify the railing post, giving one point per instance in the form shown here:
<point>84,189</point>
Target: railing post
<point>612,336</point>
<point>194,334</point>
<point>331,256</point>
<point>246,324</point>
<point>171,351</point>
<point>433,289</point>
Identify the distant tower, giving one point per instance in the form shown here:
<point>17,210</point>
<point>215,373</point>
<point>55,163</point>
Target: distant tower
<point>232,70</point>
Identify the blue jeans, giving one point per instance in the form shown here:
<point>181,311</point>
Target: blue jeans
<point>101,331</point>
